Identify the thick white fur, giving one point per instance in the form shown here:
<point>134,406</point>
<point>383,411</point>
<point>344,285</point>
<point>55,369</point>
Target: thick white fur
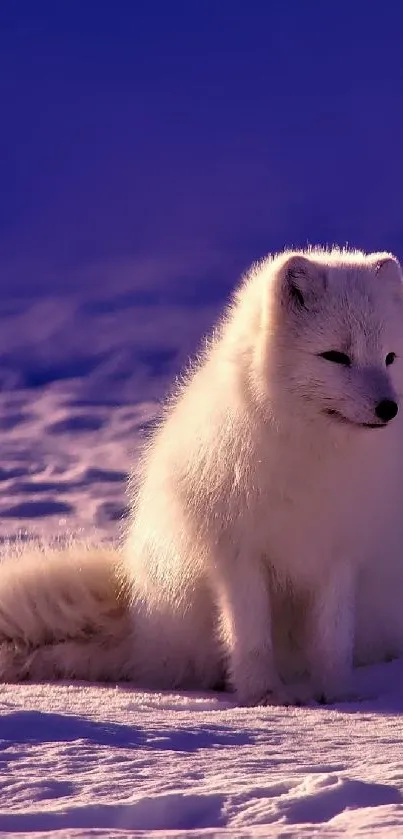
<point>62,614</point>
<point>265,546</point>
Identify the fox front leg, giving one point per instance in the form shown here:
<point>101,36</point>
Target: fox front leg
<point>330,636</point>
<point>246,633</point>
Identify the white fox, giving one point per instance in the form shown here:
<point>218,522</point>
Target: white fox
<point>266,536</point>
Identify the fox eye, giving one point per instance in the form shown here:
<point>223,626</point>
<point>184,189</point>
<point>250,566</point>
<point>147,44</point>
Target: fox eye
<point>336,357</point>
<point>390,358</point>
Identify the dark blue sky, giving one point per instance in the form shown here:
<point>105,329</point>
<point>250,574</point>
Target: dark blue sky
<point>182,130</point>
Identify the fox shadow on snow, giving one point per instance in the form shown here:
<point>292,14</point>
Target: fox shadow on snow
<point>41,727</point>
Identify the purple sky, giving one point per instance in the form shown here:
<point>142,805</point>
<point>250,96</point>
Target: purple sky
<point>193,134</point>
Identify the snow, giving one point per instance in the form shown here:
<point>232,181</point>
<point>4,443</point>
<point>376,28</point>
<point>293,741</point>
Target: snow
<point>79,383</point>
<point>93,760</point>
<point>81,376</point>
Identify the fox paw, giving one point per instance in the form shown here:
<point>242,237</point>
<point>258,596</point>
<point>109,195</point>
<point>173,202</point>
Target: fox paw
<point>334,697</point>
<point>328,692</point>
<point>281,695</point>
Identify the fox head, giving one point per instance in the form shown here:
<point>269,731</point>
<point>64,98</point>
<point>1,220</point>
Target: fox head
<point>333,336</point>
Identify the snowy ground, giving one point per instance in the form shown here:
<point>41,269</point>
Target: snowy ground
<point>90,760</point>
<point>80,379</point>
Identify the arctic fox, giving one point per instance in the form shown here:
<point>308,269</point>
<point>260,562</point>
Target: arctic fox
<point>266,533</point>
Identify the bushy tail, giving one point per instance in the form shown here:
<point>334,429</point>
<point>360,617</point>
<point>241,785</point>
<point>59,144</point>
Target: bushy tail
<point>63,614</point>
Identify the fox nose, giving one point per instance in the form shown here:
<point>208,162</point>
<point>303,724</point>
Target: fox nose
<point>386,410</point>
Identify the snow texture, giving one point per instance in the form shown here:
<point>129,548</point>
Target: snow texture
<point>80,383</point>
<point>95,760</point>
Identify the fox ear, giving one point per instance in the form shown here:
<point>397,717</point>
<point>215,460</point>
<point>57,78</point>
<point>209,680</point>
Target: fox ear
<point>387,268</point>
<point>303,282</point>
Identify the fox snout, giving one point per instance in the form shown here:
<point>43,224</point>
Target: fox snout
<point>385,405</point>
<point>371,401</point>
<point>386,410</point>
